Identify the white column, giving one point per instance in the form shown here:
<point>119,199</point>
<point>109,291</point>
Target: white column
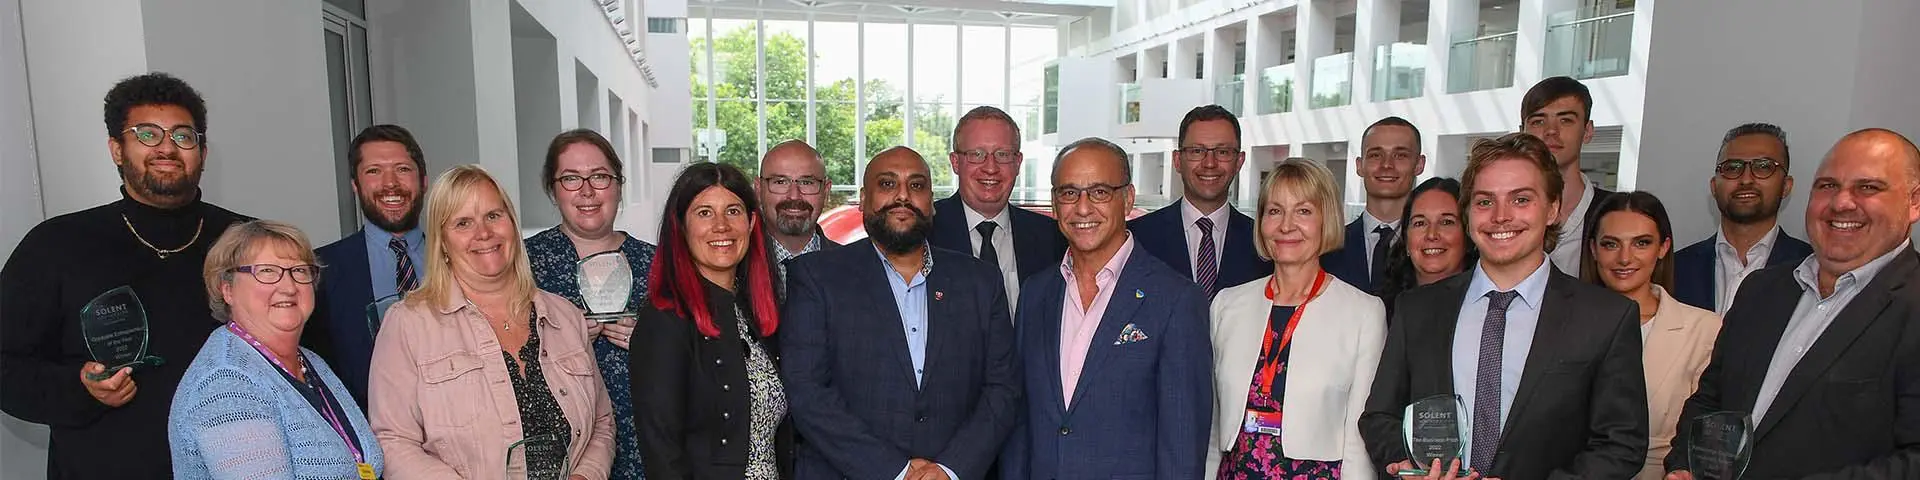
<point>1313,38</point>
<point>1376,23</point>
<point>1448,21</point>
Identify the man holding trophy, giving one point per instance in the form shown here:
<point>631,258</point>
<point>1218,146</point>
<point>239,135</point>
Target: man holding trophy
<point>102,309</point>
<point>1514,370</point>
<point>1817,369</point>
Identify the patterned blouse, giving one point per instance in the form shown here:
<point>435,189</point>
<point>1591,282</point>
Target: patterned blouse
<point>540,414</point>
<point>1255,453</point>
<point>553,258</point>
<point>768,399</point>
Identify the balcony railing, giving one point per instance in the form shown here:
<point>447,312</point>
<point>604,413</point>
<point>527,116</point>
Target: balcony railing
<point>1399,71</point>
<point>1129,103</point>
<point>1276,89</point>
<point>1482,63</point>
<point>1231,94</point>
<point>1594,47</point>
<point>1332,81</point>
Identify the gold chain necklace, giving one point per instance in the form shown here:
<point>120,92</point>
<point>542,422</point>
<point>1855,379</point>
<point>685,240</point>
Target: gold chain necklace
<point>157,250</point>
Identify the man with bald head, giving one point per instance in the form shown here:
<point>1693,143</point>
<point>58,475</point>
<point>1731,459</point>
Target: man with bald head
<point>936,406</point>
<point>1824,355</point>
<point>793,188</point>
<point>1138,408</point>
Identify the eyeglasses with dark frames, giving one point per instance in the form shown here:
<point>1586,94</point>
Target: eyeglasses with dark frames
<point>268,273</point>
<point>1096,193</point>
<point>185,137</point>
<point>781,184</point>
<point>599,181</point>
<point>1762,168</point>
<point>1198,153</point>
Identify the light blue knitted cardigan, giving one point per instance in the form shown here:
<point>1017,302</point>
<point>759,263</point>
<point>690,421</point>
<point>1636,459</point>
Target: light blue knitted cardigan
<point>234,416</point>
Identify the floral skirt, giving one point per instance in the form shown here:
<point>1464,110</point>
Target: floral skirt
<point>1257,456</point>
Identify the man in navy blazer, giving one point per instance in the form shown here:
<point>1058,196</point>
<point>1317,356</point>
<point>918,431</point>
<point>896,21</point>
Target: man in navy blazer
<point>986,157</point>
<point>899,358</point>
<point>377,261</point>
<point>1117,359</point>
<point>1389,161</point>
<point>1187,235</point>
<point>1749,184</point>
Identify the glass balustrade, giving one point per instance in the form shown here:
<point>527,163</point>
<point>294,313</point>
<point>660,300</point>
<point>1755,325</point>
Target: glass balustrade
<point>1481,63</point>
<point>1231,94</point>
<point>1332,81</point>
<point>1276,89</point>
<point>1588,46</point>
<point>1129,103</point>
<point>1399,71</point>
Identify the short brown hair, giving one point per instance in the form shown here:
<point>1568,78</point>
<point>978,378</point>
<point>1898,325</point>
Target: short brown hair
<point>1515,146</point>
<point>567,139</point>
<point>1314,180</point>
<point>1556,88</point>
<point>238,244</point>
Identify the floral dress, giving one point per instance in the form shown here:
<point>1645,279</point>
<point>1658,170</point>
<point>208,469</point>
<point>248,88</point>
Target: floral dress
<point>553,258</point>
<point>1255,454</point>
<point>540,414</point>
<point>768,399</point>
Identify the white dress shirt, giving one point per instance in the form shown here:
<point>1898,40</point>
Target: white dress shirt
<point>1002,247</point>
<point>1190,217</point>
<point>1523,317</point>
<point>1566,253</point>
<point>1733,268</point>
<point>1367,226</point>
<point>1811,317</point>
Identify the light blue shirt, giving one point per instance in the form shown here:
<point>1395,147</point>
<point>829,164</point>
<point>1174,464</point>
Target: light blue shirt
<point>380,257</point>
<point>1523,317</point>
<point>910,297</point>
<point>1811,317</point>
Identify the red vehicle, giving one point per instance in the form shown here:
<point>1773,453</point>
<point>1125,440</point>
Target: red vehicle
<point>844,224</point>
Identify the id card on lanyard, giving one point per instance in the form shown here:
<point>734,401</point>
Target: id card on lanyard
<point>1259,420</point>
<point>327,404</point>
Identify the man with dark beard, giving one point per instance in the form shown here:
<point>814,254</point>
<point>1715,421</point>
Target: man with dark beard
<point>110,421</point>
<point>379,261</point>
<point>868,404</point>
<point>793,187</point>
<point>1749,184</point>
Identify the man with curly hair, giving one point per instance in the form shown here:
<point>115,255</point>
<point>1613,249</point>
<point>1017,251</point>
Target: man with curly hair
<point>110,421</point>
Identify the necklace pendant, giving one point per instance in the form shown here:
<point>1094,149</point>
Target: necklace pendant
<point>162,255</point>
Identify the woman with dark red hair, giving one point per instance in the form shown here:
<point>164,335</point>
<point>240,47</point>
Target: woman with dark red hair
<point>708,400</point>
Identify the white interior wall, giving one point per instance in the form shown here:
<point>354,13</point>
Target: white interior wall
<point>76,170</point>
<point>23,446</point>
<point>429,59</point>
<point>537,103</point>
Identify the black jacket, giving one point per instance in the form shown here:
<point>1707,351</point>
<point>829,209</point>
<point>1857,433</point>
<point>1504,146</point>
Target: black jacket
<point>691,403</point>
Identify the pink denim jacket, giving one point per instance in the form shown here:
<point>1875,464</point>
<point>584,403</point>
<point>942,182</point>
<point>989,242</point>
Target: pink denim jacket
<point>441,403</point>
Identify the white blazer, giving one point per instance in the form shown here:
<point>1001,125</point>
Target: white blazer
<point>1329,372</point>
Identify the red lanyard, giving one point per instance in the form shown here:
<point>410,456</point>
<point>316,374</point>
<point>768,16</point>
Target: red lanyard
<point>326,404</point>
<point>1271,368</point>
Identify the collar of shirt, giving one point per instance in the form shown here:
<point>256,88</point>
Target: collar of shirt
<point>1368,223</point>
<point>1531,290</point>
<point>974,218</point>
<point>1760,248</point>
<point>926,265</point>
<point>1189,214</point>
<point>780,252</point>
<point>1108,273</point>
<point>1807,274</point>
<point>1570,230</point>
<point>377,239</point>
<point>457,301</point>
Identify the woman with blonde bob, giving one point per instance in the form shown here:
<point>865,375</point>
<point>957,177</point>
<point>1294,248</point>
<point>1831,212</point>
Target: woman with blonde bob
<point>1299,342</point>
<point>477,359</point>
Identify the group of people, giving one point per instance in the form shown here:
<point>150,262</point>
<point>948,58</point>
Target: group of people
<point>1195,341</point>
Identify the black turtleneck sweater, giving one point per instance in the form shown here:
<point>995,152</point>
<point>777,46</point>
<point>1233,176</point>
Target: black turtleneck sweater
<point>60,265</point>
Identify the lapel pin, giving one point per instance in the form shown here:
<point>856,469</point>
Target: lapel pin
<point>937,296</point>
<point>1137,293</point>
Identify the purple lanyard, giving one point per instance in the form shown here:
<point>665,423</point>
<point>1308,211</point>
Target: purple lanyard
<point>326,404</point>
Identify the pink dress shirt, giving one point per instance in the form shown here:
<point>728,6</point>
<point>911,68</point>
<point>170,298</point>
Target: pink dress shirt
<point>1077,326</point>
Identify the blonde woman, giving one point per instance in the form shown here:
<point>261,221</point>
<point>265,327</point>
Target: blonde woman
<point>1299,342</point>
<point>478,358</point>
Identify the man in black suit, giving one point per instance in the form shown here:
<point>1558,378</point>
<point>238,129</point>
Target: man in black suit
<point>793,187</point>
<point>1749,183</point>
<point>1202,237</point>
<point>978,219</point>
<point>1826,354</point>
<point>1559,111</point>
<point>899,356</point>
<point>1547,365</point>
<point>1389,160</point>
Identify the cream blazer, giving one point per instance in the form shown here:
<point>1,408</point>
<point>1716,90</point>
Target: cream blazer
<point>1676,353</point>
<point>1329,372</point>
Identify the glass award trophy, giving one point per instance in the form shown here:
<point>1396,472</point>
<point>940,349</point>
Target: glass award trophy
<point>1436,428</point>
<point>377,311</point>
<point>606,283</point>
<point>1722,444</point>
<point>114,325</point>
<point>539,457</point>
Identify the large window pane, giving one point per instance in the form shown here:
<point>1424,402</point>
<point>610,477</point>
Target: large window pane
<point>983,65</point>
<point>885,62</point>
<point>836,60</point>
<point>786,46</point>
<point>1033,49</point>
<point>741,124</point>
<point>934,92</point>
<point>834,139</point>
<point>734,48</point>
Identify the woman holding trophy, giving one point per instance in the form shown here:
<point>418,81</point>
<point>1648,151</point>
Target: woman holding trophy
<point>594,266</point>
<point>1299,342</point>
<point>477,355</point>
<point>708,399</point>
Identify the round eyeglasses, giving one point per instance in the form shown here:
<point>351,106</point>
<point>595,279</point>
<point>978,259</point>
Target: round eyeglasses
<point>151,135</point>
<point>268,273</point>
<point>1762,168</point>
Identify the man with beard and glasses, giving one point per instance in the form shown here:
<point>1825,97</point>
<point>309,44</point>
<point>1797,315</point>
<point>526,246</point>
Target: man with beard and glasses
<point>793,189</point>
<point>152,242</point>
<point>1201,235</point>
<point>1750,184</point>
<point>381,260</point>
<point>897,368</point>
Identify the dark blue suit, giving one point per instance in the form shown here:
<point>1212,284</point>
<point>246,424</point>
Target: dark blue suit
<point>337,330</point>
<point>1696,268</point>
<point>1349,263</point>
<point>1141,409</point>
<point>850,380</point>
<point>1037,243</point>
<point>1163,234</point>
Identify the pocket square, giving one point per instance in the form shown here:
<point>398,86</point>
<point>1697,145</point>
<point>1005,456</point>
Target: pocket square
<point>1130,334</point>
